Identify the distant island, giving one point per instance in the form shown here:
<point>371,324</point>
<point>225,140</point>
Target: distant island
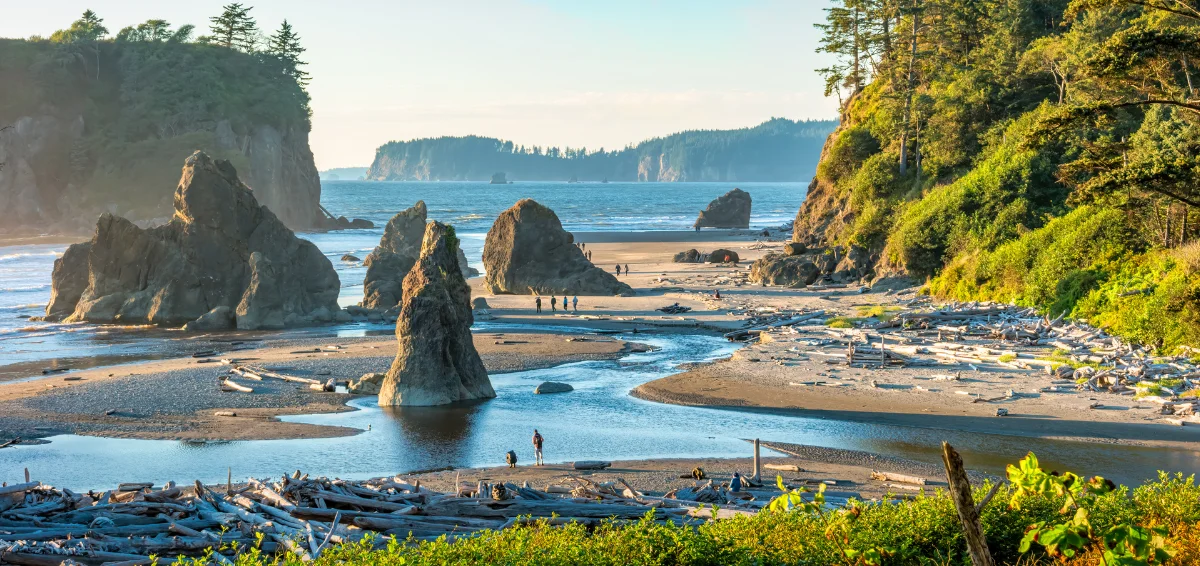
<point>776,150</point>
<point>344,174</point>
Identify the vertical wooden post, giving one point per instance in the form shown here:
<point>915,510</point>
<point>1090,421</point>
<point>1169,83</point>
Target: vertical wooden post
<point>960,492</point>
<point>882,350</point>
<point>757,463</point>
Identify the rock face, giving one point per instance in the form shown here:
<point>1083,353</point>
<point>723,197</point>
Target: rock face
<point>691,256</point>
<point>723,256</point>
<point>788,271</point>
<point>220,318</point>
<point>463,266</point>
<point>437,362</point>
<point>730,210</point>
<point>70,277</point>
<point>527,252</point>
<point>220,249</point>
<point>395,255</point>
<point>368,384</point>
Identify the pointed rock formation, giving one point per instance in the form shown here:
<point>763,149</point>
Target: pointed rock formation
<point>730,210</point>
<point>395,255</point>
<point>221,249</point>
<point>528,252</point>
<point>437,362</point>
<point>70,277</point>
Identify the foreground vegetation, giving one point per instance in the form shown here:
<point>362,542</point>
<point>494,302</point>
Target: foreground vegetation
<point>1036,152</point>
<point>1037,517</point>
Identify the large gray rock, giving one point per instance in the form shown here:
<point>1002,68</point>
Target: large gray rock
<point>548,387</point>
<point>788,271</point>
<point>437,362</point>
<point>527,252</point>
<point>723,256</point>
<point>70,277</point>
<point>730,210</point>
<point>220,318</point>
<point>395,255</point>
<point>691,256</point>
<point>221,248</point>
<point>368,384</point>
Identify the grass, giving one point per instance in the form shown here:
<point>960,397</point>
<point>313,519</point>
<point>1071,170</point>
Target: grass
<point>840,322</point>
<point>1007,357</point>
<point>923,531</point>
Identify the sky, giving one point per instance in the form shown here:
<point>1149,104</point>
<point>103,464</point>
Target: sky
<point>579,73</point>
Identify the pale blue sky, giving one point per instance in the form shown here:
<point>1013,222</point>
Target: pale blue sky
<point>547,72</point>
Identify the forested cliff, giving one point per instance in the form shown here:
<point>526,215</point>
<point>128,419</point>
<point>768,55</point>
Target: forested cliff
<point>776,150</point>
<point>96,122</point>
<point>1041,152</point>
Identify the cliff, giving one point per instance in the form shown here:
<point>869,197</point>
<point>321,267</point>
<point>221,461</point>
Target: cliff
<point>106,132</point>
<point>776,150</point>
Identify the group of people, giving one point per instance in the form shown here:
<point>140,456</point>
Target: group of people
<point>511,456</point>
<point>574,303</point>
<point>619,269</point>
<point>583,248</point>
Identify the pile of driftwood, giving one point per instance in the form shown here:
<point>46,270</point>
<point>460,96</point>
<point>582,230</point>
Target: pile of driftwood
<point>297,514</point>
<point>674,309</point>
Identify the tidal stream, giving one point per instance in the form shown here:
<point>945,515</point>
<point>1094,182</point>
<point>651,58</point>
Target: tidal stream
<point>599,420</point>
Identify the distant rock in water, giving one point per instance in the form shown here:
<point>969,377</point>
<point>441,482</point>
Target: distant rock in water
<point>395,255</point>
<point>691,256</point>
<point>70,277</point>
<point>553,387</point>
<point>527,252</point>
<point>351,258</point>
<point>730,210</point>
<point>221,249</point>
<point>467,271</point>
<point>499,178</point>
<point>437,362</point>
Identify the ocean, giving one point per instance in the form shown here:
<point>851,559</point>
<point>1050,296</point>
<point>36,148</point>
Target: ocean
<point>470,207</point>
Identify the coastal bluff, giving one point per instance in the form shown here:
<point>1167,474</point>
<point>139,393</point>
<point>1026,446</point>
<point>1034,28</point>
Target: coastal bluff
<point>527,252</point>
<point>436,362</point>
<point>222,254</point>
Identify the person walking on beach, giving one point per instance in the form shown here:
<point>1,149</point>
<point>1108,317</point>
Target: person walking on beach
<point>537,447</point>
<point>538,302</point>
<point>553,303</point>
<point>575,303</point>
<point>618,270</point>
<point>627,269</point>
<point>584,245</point>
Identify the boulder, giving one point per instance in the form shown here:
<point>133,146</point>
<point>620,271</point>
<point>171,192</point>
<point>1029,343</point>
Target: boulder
<point>827,260</point>
<point>437,363</point>
<point>361,223</point>
<point>351,258</point>
<point>854,265</point>
<point>70,280</point>
<point>467,270</point>
<point>730,210</point>
<point>395,255</point>
<point>221,248</point>
<point>220,318</point>
<point>794,248</point>
<point>691,256</point>
<point>368,384</point>
<point>479,303</point>
<point>553,387</point>
<point>723,256</point>
<point>527,252</point>
<point>788,271</point>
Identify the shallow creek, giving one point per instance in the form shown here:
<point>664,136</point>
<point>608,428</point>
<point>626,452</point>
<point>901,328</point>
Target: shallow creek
<point>599,420</point>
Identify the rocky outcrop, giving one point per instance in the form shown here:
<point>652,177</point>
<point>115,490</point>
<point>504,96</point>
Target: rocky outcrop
<point>437,363</point>
<point>220,318</point>
<point>221,249</point>
<point>548,387</point>
<point>70,280</point>
<point>691,256</point>
<point>723,256</point>
<point>351,258</point>
<point>528,252</point>
<point>787,271</point>
<point>368,384</point>
<point>395,255</point>
<point>730,210</point>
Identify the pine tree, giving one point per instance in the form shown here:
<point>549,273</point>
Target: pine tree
<point>234,28</point>
<point>285,46</point>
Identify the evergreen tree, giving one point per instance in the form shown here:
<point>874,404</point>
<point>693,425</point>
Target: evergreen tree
<point>234,28</point>
<point>285,46</point>
<point>84,32</point>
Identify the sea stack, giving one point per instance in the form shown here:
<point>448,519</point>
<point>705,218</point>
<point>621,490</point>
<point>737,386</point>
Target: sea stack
<point>437,363</point>
<point>730,210</point>
<point>527,252</point>
<point>221,250</point>
<point>392,259</point>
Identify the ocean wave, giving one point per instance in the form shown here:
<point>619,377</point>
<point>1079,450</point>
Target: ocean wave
<point>26,288</point>
<point>23,307</point>
<point>14,257</point>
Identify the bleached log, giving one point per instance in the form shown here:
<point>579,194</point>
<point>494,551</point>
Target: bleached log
<point>889,476</point>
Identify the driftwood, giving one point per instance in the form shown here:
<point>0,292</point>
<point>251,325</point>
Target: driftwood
<point>968,513</point>
<point>591,465</point>
<point>889,476</point>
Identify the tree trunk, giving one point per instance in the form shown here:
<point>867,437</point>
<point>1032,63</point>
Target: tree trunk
<point>960,492</point>
<point>908,90</point>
